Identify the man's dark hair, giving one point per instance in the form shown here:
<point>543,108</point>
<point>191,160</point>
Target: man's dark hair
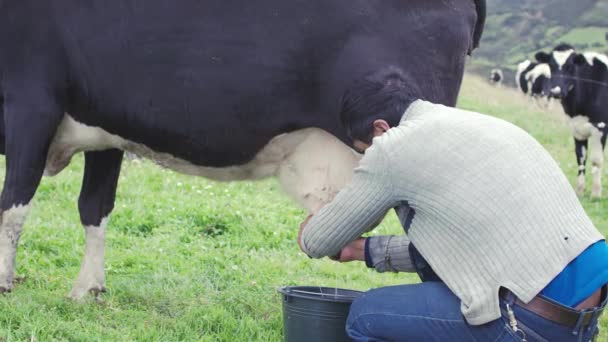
<point>385,95</point>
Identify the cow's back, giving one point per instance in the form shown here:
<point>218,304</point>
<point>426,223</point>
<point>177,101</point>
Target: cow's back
<point>213,81</point>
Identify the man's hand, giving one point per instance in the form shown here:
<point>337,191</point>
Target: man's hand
<point>351,252</point>
<point>302,226</point>
<point>354,251</point>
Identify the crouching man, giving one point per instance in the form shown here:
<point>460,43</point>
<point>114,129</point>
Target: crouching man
<point>492,223</point>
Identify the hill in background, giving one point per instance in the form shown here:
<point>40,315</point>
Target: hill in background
<point>517,29</point>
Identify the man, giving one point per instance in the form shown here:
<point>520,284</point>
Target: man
<point>492,217</point>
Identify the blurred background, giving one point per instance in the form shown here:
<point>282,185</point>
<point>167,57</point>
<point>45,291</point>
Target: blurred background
<point>517,29</point>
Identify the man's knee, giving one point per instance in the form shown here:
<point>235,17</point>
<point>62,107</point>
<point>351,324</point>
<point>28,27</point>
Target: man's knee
<point>354,327</point>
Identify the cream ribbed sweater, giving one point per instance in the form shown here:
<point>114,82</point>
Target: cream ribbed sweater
<point>492,208</point>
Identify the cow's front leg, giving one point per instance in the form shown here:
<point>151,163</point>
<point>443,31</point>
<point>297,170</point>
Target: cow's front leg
<point>96,202</point>
<point>317,169</point>
<point>598,142</point>
<point>31,117</point>
<point>581,148</point>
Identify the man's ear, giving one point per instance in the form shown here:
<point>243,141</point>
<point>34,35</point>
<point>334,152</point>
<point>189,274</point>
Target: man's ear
<point>579,59</point>
<point>542,57</point>
<point>380,126</point>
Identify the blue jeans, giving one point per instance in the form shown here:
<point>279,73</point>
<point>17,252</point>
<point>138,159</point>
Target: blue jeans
<point>431,312</point>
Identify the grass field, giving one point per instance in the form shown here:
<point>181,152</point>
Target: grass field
<point>586,35</point>
<point>189,259</point>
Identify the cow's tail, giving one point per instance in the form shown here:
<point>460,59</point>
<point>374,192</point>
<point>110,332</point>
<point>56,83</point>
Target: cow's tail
<point>480,7</point>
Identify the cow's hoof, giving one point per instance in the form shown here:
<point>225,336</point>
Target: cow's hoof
<point>6,289</point>
<point>596,195</point>
<point>79,293</point>
<point>7,285</point>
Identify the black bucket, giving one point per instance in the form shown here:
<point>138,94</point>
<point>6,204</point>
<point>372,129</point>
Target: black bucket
<point>313,313</point>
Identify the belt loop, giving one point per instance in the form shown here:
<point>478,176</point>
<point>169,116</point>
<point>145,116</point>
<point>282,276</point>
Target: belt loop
<point>594,318</point>
<point>577,330</point>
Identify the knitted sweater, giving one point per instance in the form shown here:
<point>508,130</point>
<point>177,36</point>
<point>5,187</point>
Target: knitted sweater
<point>491,207</point>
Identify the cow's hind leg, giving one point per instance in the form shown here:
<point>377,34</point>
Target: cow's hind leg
<point>598,142</point>
<point>318,168</point>
<point>31,116</point>
<point>96,202</point>
<point>581,147</point>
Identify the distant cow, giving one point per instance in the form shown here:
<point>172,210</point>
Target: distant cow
<point>222,89</point>
<point>581,82</point>
<point>496,77</point>
<point>533,78</point>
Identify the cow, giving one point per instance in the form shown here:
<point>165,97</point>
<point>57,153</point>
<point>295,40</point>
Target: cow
<point>520,76</point>
<point>580,81</point>
<point>496,77</point>
<point>533,80</point>
<point>538,79</point>
<point>227,90</point>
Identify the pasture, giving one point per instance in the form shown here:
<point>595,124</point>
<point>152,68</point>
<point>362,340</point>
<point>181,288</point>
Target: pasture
<point>188,259</point>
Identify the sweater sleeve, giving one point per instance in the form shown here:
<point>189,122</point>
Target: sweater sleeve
<point>361,204</point>
<point>389,253</point>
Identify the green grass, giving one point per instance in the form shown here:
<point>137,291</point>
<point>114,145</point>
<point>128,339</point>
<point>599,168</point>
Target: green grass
<point>189,259</point>
<point>585,36</point>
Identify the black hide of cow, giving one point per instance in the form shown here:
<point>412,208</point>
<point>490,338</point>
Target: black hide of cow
<point>210,82</point>
<point>541,86</point>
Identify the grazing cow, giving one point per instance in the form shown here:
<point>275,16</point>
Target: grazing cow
<point>581,82</point>
<point>533,78</point>
<point>520,76</point>
<point>228,90</point>
<point>496,77</point>
<point>538,79</point>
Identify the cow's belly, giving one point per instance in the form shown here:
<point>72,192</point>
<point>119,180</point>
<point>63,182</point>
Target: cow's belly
<point>311,164</point>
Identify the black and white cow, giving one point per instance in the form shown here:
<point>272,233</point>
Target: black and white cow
<point>228,90</point>
<point>533,79</point>
<point>581,82</point>
<point>496,77</point>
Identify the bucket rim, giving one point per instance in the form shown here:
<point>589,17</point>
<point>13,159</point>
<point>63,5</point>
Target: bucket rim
<point>301,292</point>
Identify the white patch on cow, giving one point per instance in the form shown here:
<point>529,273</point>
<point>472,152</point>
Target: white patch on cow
<point>601,125</point>
<point>72,137</point>
<point>520,68</point>
<point>597,162</point>
<point>10,230</point>
<point>590,57</point>
<point>298,158</point>
<point>580,185</point>
<point>561,57</point>
<point>92,278</point>
<point>581,128</point>
<point>539,70</point>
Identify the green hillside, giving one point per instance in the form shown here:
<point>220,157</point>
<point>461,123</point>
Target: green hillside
<point>516,29</point>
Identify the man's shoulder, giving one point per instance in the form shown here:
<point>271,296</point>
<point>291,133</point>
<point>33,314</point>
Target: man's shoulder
<point>424,116</point>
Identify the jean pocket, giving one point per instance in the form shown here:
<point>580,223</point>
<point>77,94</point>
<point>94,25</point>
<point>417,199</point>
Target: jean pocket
<point>508,335</point>
<point>523,333</point>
